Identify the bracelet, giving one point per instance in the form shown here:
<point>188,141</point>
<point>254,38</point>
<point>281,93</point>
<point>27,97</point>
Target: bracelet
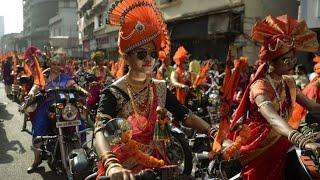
<point>110,161</point>
<point>291,134</point>
<point>113,165</point>
<point>304,141</point>
<point>264,103</point>
<point>106,155</point>
<point>299,139</point>
<point>211,132</point>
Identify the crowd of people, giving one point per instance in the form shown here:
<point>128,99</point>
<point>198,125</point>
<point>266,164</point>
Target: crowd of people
<point>269,98</point>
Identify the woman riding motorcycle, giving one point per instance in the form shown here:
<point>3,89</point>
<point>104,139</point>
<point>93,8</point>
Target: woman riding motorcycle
<point>262,116</point>
<point>55,78</point>
<point>136,96</point>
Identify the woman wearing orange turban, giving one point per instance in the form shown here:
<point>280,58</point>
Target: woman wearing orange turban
<point>135,96</point>
<point>179,77</point>
<point>268,100</point>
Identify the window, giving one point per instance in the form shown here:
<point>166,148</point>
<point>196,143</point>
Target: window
<point>318,9</point>
<point>100,20</point>
<point>67,4</point>
<point>165,1</point>
<point>168,3</point>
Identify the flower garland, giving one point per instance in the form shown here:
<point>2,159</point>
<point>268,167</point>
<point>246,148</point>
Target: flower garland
<point>242,138</point>
<point>132,148</point>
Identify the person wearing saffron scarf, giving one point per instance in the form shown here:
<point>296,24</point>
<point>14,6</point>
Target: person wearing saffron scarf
<point>312,91</point>
<point>135,97</point>
<point>180,76</point>
<point>268,101</point>
<point>55,78</point>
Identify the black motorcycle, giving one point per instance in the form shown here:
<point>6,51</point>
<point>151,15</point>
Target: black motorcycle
<point>63,147</point>
<point>177,149</point>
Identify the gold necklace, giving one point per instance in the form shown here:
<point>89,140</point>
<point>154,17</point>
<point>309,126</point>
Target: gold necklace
<point>143,104</point>
<point>137,86</point>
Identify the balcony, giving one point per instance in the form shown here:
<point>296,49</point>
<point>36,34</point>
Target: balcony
<point>168,3</point>
<point>55,19</point>
<point>34,2</point>
<point>84,3</point>
<point>64,41</point>
<point>98,2</point>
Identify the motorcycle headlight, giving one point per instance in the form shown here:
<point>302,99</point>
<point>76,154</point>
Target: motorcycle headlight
<point>69,112</point>
<point>200,110</point>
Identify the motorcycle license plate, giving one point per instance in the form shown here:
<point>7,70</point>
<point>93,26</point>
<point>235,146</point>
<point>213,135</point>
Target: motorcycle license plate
<point>63,124</point>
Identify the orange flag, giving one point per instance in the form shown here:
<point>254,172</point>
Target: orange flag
<point>201,78</point>
<point>39,77</point>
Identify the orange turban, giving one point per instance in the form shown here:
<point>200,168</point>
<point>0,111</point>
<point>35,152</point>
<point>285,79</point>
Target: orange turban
<point>180,56</point>
<point>281,34</point>
<point>140,22</point>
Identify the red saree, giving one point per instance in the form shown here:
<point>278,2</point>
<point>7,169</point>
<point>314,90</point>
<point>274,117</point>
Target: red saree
<point>264,154</point>
<point>142,129</point>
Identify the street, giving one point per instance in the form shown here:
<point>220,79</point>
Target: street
<point>16,154</point>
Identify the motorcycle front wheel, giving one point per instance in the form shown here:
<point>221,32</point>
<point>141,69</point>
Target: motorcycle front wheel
<point>179,153</point>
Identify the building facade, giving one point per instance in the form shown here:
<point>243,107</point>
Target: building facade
<point>63,29</point>
<point>8,42</point>
<point>206,28</point>
<point>309,11</point>
<point>258,9</point>
<point>1,26</point>
<point>37,14</point>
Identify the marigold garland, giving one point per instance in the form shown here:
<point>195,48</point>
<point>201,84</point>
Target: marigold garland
<point>242,138</point>
<point>132,148</point>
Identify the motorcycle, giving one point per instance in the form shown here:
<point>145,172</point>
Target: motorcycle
<point>300,163</point>
<point>177,149</point>
<point>163,173</point>
<point>63,147</point>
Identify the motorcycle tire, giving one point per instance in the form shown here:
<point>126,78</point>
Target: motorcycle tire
<point>180,140</point>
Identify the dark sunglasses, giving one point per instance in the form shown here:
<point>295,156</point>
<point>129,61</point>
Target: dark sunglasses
<point>287,60</point>
<point>142,54</point>
<point>55,64</point>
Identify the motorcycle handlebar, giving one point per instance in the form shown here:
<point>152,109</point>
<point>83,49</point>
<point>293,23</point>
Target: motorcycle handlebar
<point>144,174</point>
<point>38,138</point>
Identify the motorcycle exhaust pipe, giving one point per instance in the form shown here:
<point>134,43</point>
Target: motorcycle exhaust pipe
<point>201,156</point>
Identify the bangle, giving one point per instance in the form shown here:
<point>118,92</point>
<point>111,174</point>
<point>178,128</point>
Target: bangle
<point>106,155</point>
<point>296,139</point>
<point>291,134</point>
<point>113,165</point>
<point>110,161</point>
<point>304,141</point>
<point>211,132</point>
<point>264,103</point>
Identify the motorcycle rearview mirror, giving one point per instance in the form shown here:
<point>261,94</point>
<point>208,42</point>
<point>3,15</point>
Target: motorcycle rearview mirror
<point>114,128</point>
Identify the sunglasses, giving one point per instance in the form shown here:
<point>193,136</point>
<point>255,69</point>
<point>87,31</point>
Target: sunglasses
<point>55,64</point>
<point>143,53</point>
<point>287,60</point>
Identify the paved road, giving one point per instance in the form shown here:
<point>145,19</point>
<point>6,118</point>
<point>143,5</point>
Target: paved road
<point>15,146</point>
